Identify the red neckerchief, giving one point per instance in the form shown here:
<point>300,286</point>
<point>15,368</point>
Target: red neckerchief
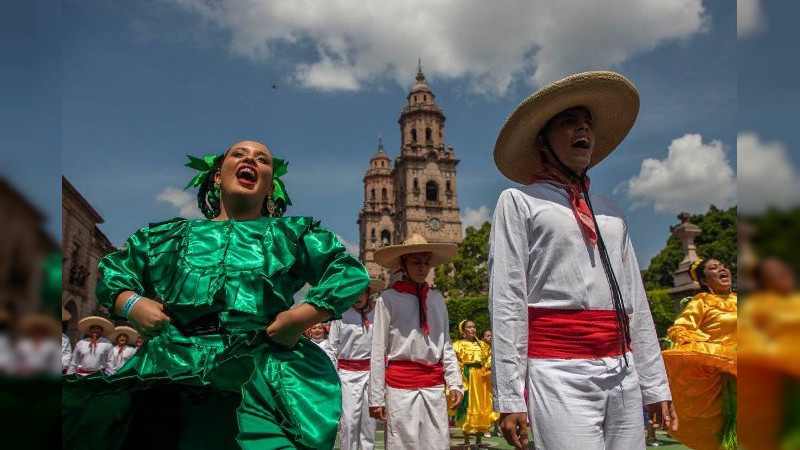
<point>546,173</point>
<point>422,295</point>
<point>364,318</point>
<point>93,344</point>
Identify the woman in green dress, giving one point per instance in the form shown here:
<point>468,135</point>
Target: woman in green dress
<point>225,365</point>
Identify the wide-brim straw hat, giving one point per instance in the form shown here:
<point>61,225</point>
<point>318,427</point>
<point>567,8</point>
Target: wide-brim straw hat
<point>65,315</point>
<point>87,322</point>
<point>124,329</point>
<point>376,285</point>
<point>389,257</point>
<point>40,321</point>
<point>612,100</point>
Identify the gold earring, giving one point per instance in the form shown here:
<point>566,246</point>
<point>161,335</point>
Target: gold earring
<point>270,206</point>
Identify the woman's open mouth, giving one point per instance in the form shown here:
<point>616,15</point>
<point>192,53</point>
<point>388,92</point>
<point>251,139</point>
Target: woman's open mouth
<point>247,175</point>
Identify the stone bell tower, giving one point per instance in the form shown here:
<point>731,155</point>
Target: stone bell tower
<point>418,193</point>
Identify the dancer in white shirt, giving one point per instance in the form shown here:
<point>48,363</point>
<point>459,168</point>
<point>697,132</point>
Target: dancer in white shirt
<point>91,353</point>
<point>569,314</point>
<point>412,358</point>
<point>350,341</point>
<point>66,345</point>
<point>316,333</point>
<point>121,352</point>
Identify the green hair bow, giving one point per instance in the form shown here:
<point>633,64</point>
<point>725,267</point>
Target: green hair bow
<point>209,164</point>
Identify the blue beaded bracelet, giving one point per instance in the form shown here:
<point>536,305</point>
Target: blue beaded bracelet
<point>128,306</point>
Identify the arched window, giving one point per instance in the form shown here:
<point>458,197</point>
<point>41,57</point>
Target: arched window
<point>416,184</point>
<point>372,194</point>
<point>373,233</point>
<point>383,195</point>
<point>431,191</point>
<point>413,135</point>
<point>427,134</point>
<point>447,186</point>
<point>386,238</point>
<point>424,98</point>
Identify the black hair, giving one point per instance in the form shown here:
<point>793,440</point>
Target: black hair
<point>700,273</point>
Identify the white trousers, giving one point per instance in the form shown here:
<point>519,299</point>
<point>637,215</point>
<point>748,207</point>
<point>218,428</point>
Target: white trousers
<point>356,427</point>
<point>590,404</point>
<point>417,418</point>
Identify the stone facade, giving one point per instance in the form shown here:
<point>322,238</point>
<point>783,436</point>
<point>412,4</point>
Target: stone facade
<point>24,245</point>
<point>84,246</point>
<point>416,194</point>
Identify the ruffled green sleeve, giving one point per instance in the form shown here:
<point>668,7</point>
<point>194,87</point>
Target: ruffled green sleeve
<point>336,277</point>
<point>124,270</point>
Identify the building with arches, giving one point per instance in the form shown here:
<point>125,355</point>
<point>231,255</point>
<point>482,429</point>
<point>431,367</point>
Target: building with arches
<point>415,193</point>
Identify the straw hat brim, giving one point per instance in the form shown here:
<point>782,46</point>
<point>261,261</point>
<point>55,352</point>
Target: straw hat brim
<point>30,323</point>
<point>612,100</point>
<point>389,257</point>
<point>87,322</point>
<point>132,334</point>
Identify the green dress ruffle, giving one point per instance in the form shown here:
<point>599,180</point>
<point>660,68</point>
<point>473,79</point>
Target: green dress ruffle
<point>233,388</point>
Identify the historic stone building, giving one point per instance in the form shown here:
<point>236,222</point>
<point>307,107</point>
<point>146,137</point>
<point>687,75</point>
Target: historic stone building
<point>23,249</point>
<point>416,194</point>
<point>84,245</point>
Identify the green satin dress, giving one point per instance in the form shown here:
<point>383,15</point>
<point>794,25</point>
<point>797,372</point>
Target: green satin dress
<point>231,388</point>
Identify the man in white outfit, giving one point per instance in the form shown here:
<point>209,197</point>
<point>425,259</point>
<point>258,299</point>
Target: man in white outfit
<point>121,352</point>
<point>350,342</point>
<point>91,353</point>
<point>412,358</point>
<point>569,314</point>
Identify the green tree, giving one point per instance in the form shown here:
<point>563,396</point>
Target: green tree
<point>777,234</point>
<point>471,308</point>
<point>718,241</point>
<point>467,274</point>
<point>662,309</point>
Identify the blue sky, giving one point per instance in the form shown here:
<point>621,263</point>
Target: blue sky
<point>143,83</point>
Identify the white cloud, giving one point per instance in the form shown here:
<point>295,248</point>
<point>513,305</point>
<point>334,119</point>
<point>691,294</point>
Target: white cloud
<point>184,202</point>
<point>765,173</point>
<point>749,18</point>
<point>693,176</point>
<point>349,246</point>
<point>474,217</point>
<point>350,44</point>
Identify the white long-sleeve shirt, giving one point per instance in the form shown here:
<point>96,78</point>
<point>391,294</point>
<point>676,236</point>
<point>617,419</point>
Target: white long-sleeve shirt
<point>397,335</point>
<point>36,358</point>
<point>116,358</point>
<point>66,351</point>
<point>349,338</point>
<point>539,257</point>
<point>86,359</point>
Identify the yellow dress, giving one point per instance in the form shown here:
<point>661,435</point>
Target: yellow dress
<point>702,360</point>
<point>475,360</point>
<point>769,363</point>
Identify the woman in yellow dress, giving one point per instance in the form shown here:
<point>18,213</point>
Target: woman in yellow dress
<point>702,363</point>
<point>475,415</point>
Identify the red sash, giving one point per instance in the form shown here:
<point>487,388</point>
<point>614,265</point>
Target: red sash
<point>354,365</point>
<point>572,333</point>
<point>80,371</point>
<point>407,374</point>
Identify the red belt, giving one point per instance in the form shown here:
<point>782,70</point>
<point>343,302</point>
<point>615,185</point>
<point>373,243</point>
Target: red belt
<point>572,333</point>
<point>406,374</point>
<point>80,371</point>
<point>355,365</point>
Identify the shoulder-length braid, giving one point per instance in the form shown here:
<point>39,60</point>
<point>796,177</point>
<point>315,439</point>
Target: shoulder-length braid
<point>208,195</point>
